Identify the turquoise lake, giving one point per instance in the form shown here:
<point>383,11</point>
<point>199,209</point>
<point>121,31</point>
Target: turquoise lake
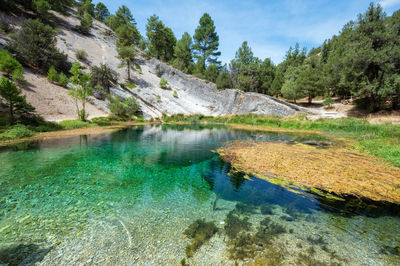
<point>127,197</point>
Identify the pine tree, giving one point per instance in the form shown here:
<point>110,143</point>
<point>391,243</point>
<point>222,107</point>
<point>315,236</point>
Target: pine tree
<point>183,53</point>
<point>206,41</point>
<point>12,100</point>
<point>101,12</point>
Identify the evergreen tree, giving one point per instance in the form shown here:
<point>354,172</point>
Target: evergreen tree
<point>101,12</point>
<point>35,45</point>
<point>183,54</point>
<point>104,77</point>
<point>276,85</point>
<point>161,38</point>
<point>212,72</point>
<point>12,100</point>
<point>127,56</point>
<point>127,34</point>
<point>206,41</point>
<point>224,79</point>
<point>123,16</point>
<point>41,7</point>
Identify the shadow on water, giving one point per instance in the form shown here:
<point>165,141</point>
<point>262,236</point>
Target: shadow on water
<point>234,186</point>
<point>22,254</point>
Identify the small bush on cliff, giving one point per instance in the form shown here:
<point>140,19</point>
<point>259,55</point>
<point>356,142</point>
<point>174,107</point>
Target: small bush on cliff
<point>123,109</point>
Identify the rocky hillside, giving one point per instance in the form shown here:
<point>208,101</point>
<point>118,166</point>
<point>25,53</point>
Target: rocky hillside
<point>186,94</point>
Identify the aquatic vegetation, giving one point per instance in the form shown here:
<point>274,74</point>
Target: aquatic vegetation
<point>246,245</point>
<point>266,209</point>
<point>199,231</point>
<point>388,250</point>
<point>244,208</point>
<point>234,224</point>
<point>265,221</point>
<point>242,246</point>
<point>344,171</point>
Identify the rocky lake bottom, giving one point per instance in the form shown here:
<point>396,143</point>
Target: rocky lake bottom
<point>160,195</point>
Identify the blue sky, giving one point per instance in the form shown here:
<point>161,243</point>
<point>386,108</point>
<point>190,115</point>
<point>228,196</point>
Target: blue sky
<point>269,27</point>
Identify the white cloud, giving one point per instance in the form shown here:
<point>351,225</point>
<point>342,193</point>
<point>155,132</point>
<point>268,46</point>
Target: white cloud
<point>388,3</point>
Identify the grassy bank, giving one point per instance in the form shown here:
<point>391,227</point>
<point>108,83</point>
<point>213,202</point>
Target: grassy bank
<point>20,131</point>
<point>378,140</point>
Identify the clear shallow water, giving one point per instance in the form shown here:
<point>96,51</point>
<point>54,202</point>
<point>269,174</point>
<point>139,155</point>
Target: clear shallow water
<point>127,197</point>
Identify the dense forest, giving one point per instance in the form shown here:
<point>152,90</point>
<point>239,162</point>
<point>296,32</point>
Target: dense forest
<point>362,61</point>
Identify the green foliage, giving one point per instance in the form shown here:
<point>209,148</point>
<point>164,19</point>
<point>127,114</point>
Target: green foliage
<point>122,16</point>
<point>16,132</point>
<point>276,85</point>
<point>11,66</point>
<point>52,75</point>
<point>101,12</point>
<point>127,56</point>
<point>183,54</point>
<point>199,231</point>
<point>249,73</point>
<point>35,45</point>
<point>310,82</point>
<point>81,55</point>
<point>127,35</point>
<point>206,41</point>
<point>86,7</point>
<point>104,77</point>
<point>86,24</point>
<point>123,109</point>
<point>328,102</point>
<point>212,73</point>
<point>291,89</point>
<point>12,100</point>
<point>363,60</point>
<point>41,7</point>
<point>102,121</point>
<point>63,80</point>
<point>164,83</point>
<point>161,39</point>
<point>224,79</point>
<point>175,94</point>
<point>80,90</point>
<point>73,124</point>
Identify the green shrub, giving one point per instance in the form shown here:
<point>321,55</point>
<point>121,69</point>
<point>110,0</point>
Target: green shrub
<point>63,80</point>
<point>16,132</point>
<point>81,55</point>
<point>86,24</point>
<point>164,83</point>
<point>123,109</point>
<point>102,121</point>
<point>328,102</point>
<point>11,66</point>
<point>35,45</point>
<point>129,85</point>
<point>71,124</point>
<point>175,94</point>
<point>52,75</point>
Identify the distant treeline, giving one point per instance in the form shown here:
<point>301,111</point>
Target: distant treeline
<point>362,62</point>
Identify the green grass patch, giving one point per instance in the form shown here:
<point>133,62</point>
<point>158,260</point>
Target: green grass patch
<point>73,124</point>
<point>16,132</point>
